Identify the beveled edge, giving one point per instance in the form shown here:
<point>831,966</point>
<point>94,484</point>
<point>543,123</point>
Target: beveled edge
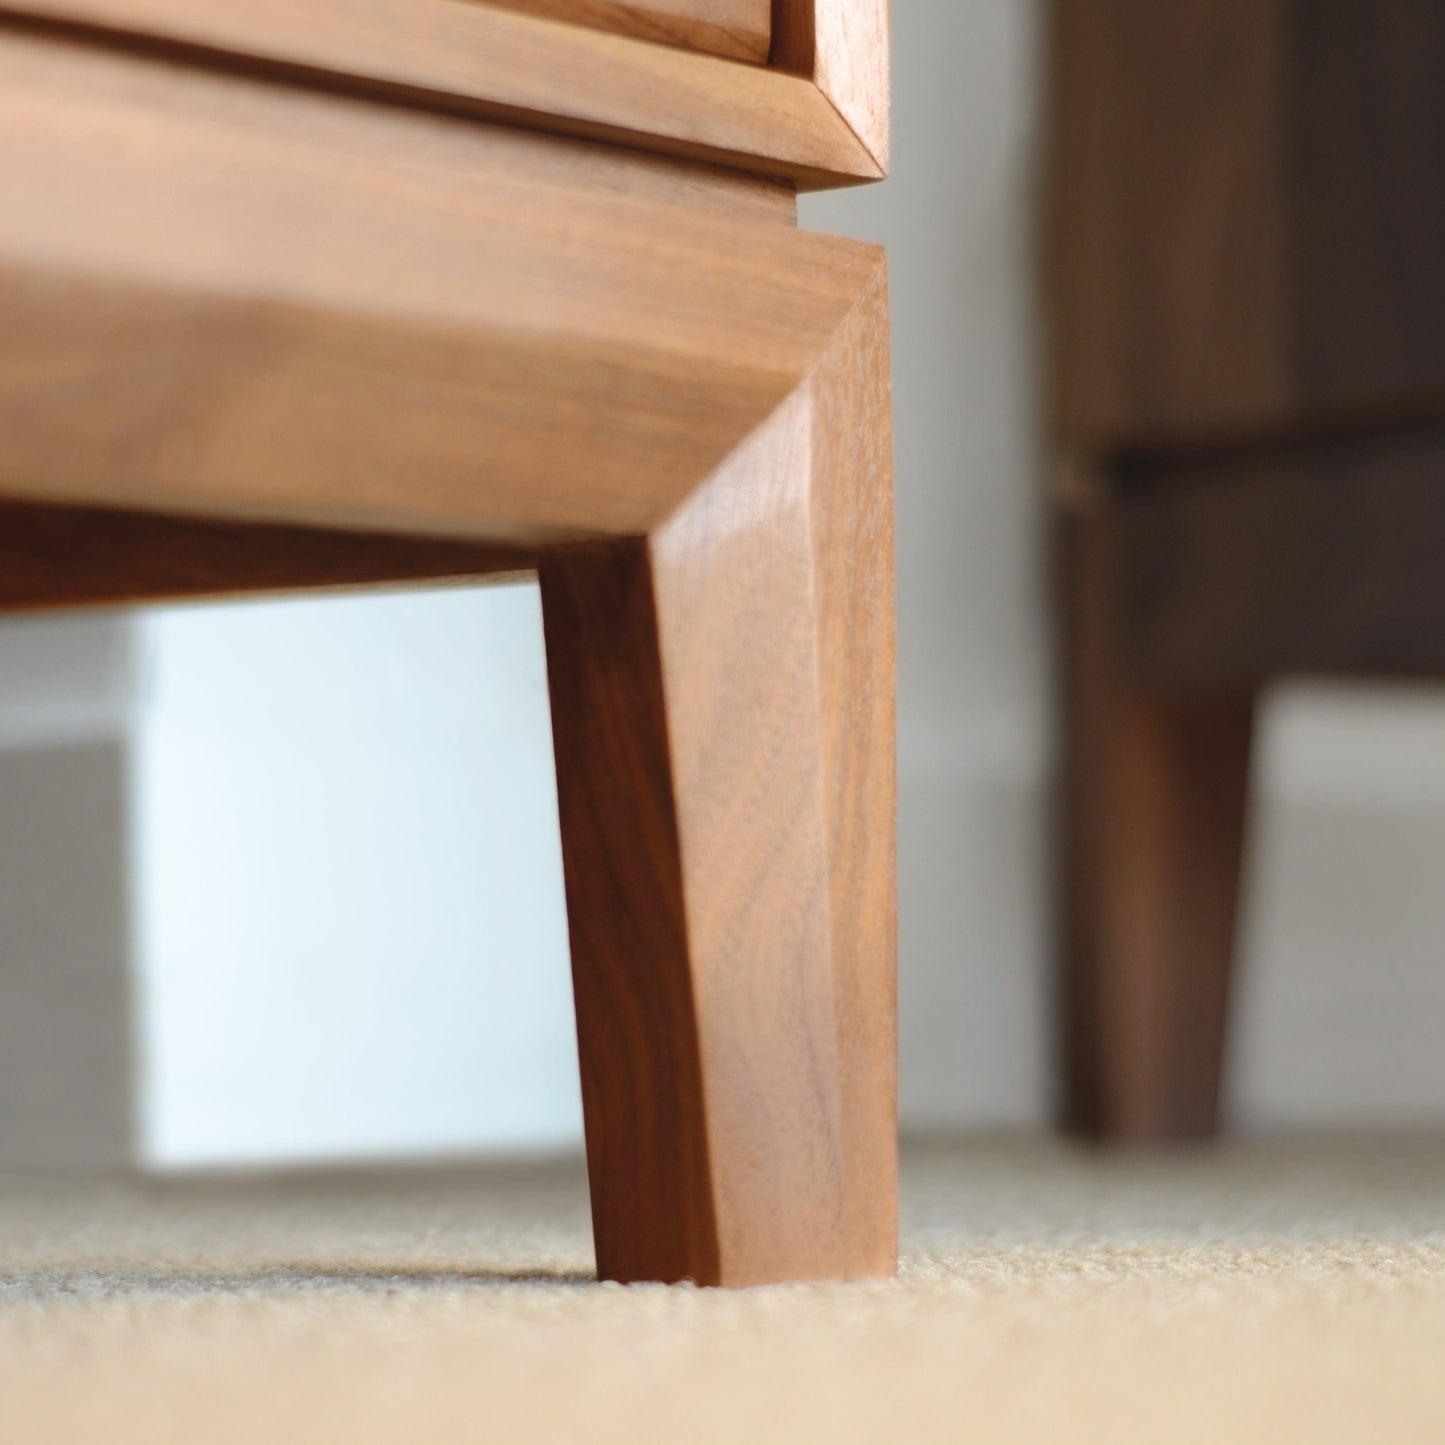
<point>825,127</point>
<point>188,333</point>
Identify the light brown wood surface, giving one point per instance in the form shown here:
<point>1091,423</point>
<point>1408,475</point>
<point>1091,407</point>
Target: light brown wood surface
<point>722,714</point>
<point>468,56</point>
<point>843,45</point>
<point>739,29</point>
<point>258,332</point>
<point>227,297</point>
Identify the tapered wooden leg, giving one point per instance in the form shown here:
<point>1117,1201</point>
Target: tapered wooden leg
<point>722,702</point>
<point>1155,803</point>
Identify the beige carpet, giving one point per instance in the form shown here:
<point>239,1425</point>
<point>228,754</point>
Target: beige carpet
<point>1292,1291</point>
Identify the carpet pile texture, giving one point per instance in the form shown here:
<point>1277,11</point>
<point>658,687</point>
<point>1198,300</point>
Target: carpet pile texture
<point>1280,1290</point>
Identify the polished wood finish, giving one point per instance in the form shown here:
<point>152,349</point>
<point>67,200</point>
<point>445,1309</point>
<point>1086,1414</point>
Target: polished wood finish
<point>739,29</point>
<point>466,56</point>
<point>1167,268</point>
<point>843,46</point>
<point>60,557</point>
<point>722,714</point>
<point>1245,226</point>
<point>261,332</point>
<point>243,350</point>
<point>1155,792</point>
<point>1246,217</point>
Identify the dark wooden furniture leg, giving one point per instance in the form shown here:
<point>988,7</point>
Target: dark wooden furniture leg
<point>1247,312</point>
<point>722,701</point>
<point>1155,800</point>
<point>1187,584</point>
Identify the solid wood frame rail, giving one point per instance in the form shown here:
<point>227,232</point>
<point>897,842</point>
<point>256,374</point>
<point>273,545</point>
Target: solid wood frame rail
<point>1341,574</point>
<point>738,29</point>
<point>816,116</point>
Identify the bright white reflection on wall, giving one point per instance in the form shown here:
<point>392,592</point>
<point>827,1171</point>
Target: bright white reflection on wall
<point>350,919</point>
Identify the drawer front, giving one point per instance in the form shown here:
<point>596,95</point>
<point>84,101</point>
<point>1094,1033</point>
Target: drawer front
<point>738,29</point>
<point>1248,216</point>
<point>816,116</point>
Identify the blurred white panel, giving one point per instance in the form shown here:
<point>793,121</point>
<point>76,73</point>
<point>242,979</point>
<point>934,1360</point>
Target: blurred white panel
<point>1341,986</point>
<point>1360,745</point>
<point>350,882</point>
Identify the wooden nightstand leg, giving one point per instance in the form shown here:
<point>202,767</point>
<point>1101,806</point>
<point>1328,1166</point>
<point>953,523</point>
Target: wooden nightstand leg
<point>722,703</point>
<point>1155,793</point>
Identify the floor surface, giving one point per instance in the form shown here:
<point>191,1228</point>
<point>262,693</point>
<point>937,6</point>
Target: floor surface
<point>1284,1290</point>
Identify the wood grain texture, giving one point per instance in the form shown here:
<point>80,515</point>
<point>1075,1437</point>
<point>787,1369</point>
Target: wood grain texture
<point>722,696</point>
<point>62,557</point>
<point>1245,216</point>
<point>225,297</point>
<point>1167,230</point>
<point>502,65</point>
<point>1155,793</point>
<point>1315,555</point>
<point>739,29</point>
<point>844,46</point>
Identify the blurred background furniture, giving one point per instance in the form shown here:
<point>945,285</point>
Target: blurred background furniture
<point>342,294</point>
<point>1246,231</point>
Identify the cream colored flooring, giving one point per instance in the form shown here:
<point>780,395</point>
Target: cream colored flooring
<point>1286,1291</point>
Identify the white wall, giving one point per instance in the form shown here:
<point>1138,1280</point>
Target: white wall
<point>350,881</point>
<point>973,735</point>
<point>1341,995</point>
